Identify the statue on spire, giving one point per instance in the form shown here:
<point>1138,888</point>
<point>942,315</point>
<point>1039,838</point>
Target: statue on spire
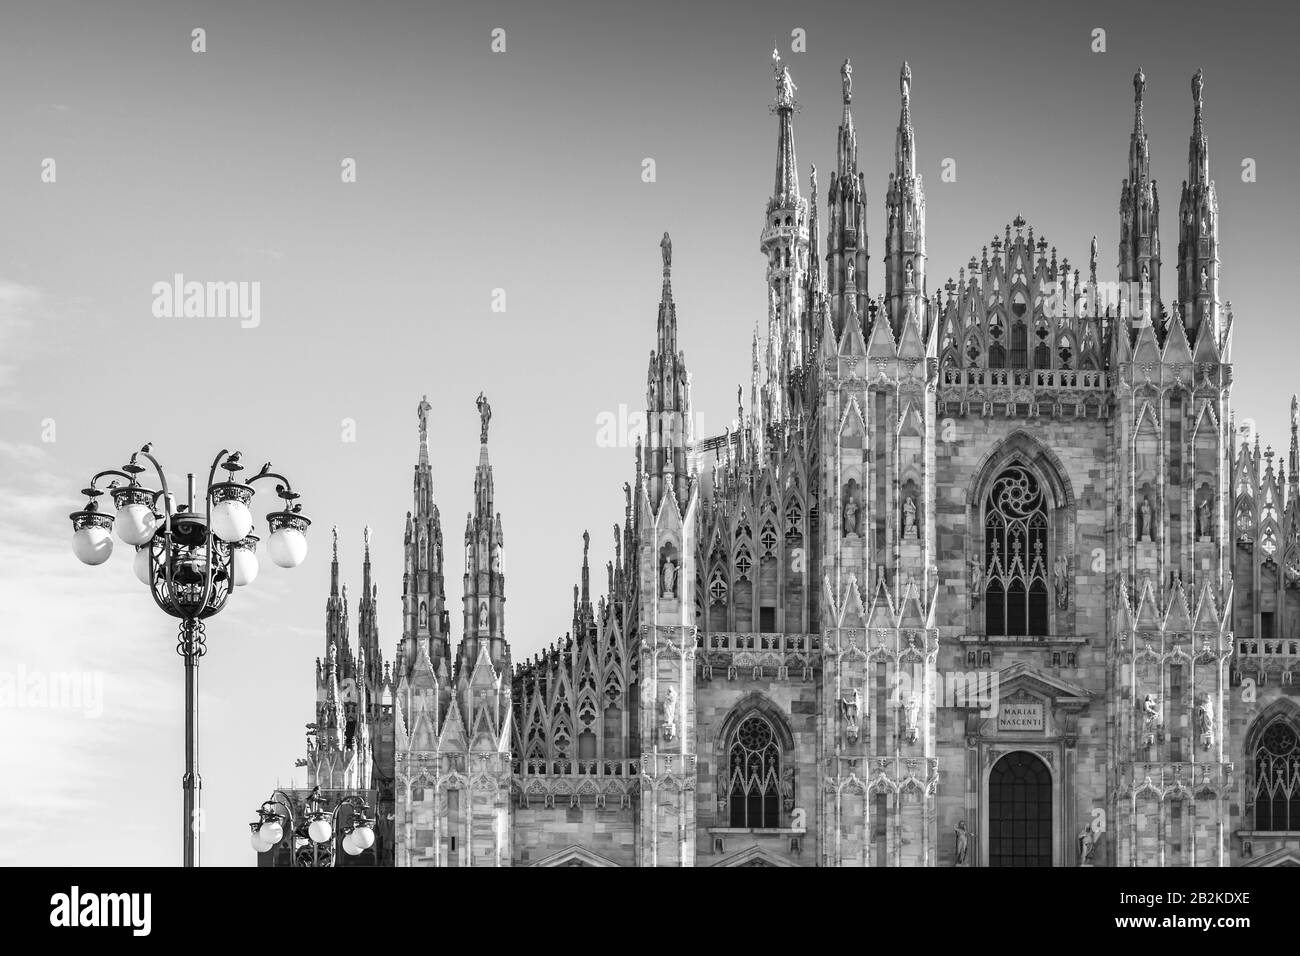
<point>666,247</point>
<point>485,416</point>
<point>905,82</point>
<point>335,530</point>
<point>1198,84</point>
<point>366,536</point>
<point>1139,86</point>
<point>423,410</point>
<point>846,81</point>
<point>785,88</point>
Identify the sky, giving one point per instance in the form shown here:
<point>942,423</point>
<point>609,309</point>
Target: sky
<point>483,177</point>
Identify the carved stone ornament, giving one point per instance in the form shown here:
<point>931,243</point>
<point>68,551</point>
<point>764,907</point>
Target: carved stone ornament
<point>668,713</point>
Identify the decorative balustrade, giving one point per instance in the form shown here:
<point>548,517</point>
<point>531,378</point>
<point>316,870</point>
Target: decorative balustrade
<point>759,643</point>
<point>1256,648</point>
<point>572,767</point>
<point>1025,378</point>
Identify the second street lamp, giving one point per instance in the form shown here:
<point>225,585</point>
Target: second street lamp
<point>191,561</point>
<point>312,840</point>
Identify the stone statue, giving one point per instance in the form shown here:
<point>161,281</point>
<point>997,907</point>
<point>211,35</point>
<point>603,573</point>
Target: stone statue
<point>963,842</point>
<point>724,788</point>
<point>787,787</point>
<point>666,247</point>
<point>1151,707</point>
<point>850,514</point>
<point>668,586</point>
<point>669,713</point>
<point>909,517</point>
<point>1205,721</point>
<point>910,272</point>
<point>423,410</point>
<point>1086,845</point>
<point>1145,531</point>
<point>976,580</point>
<point>846,81</point>
<point>1205,280</point>
<point>785,86</point>
<point>850,707</point>
<point>1060,580</point>
<point>850,275</point>
<point>1150,717</point>
<point>911,718</point>
<point>1203,518</point>
<point>905,81</point>
<point>485,416</point>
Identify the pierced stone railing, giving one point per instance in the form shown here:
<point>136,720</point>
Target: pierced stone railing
<point>796,643</point>
<point>1025,378</point>
<point>1255,648</point>
<point>574,767</point>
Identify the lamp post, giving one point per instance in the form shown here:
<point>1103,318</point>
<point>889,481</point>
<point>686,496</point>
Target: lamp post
<point>191,561</point>
<point>312,841</point>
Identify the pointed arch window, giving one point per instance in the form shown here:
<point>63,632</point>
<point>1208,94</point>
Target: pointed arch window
<point>1019,345</point>
<point>997,349</point>
<point>718,587</point>
<point>1015,556</point>
<point>1042,350</point>
<point>744,563</point>
<point>754,774</point>
<point>1277,777</point>
<point>793,520</point>
<point>1065,349</point>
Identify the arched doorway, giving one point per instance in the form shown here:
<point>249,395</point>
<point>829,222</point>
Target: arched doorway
<point>1020,811</point>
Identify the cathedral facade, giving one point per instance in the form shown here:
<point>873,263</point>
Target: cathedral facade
<point>984,576</point>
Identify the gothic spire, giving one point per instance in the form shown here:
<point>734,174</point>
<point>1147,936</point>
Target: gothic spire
<point>1198,151</point>
<point>784,240</point>
<point>423,593</point>
<point>1294,459</point>
<point>667,326</point>
<point>904,220</point>
<point>334,563</point>
<point>484,584</point>
<point>667,398</point>
<point>846,146</point>
<point>423,412</point>
<point>846,232</point>
<point>1198,232</point>
<point>785,191</point>
<point>1139,212</point>
<point>336,607</point>
<point>367,623</point>
<point>905,140</point>
<point>1139,153</point>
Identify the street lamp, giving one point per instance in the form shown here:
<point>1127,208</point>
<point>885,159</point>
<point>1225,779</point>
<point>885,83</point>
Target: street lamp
<point>312,839</point>
<point>191,562</point>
